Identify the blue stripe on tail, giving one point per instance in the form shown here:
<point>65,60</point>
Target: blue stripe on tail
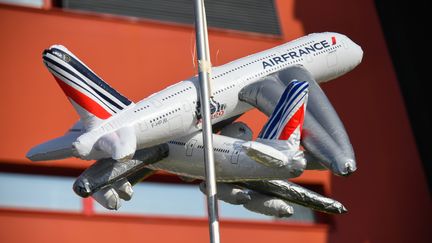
<point>286,104</point>
<point>93,77</point>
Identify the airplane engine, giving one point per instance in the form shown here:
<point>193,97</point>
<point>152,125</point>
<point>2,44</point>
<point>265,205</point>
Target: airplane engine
<point>108,198</point>
<point>109,171</point>
<point>267,205</point>
<point>229,193</point>
<point>124,189</point>
<point>251,200</point>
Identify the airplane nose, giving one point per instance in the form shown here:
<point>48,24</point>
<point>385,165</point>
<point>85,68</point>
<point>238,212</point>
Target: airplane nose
<point>354,51</point>
<point>358,52</point>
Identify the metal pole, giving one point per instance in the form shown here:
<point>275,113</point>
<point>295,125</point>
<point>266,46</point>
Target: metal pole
<point>204,66</point>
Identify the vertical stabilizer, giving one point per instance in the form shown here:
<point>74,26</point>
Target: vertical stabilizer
<point>286,121</point>
<point>93,99</point>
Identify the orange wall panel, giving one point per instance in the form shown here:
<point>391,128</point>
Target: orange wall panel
<point>22,226</point>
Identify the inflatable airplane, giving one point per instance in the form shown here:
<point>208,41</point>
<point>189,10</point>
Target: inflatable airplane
<point>162,132</point>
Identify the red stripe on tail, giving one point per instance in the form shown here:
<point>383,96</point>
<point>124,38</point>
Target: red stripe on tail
<point>295,121</point>
<point>84,101</point>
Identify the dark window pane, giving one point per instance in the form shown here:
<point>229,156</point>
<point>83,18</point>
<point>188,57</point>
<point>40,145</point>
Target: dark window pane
<point>244,15</point>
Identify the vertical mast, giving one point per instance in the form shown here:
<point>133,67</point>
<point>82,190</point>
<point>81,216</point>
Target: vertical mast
<point>204,66</point>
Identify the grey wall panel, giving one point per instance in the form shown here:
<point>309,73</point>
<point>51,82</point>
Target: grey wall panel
<point>244,15</point>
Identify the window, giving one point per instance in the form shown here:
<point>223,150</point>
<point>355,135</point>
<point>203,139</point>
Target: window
<point>41,192</point>
<point>27,3</point>
<point>219,13</point>
<point>38,192</point>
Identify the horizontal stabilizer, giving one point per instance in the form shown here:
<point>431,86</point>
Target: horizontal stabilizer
<point>58,148</point>
<point>265,154</point>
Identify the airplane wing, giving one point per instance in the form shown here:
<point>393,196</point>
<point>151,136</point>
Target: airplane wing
<point>108,180</point>
<point>273,197</point>
<point>324,135</point>
<point>297,194</point>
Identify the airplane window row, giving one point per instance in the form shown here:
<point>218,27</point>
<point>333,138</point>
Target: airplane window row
<point>177,143</point>
<point>177,93</point>
<point>244,65</point>
<point>165,115</point>
<point>224,89</point>
<point>221,150</point>
<point>327,50</point>
<point>216,149</point>
<point>142,108</point>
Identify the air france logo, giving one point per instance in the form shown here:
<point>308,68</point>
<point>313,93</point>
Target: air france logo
<point>216,110</point>
<point>292,55</point>
<point>65,57</point>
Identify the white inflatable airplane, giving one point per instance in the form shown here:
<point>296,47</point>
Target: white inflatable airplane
<point>162,132</point>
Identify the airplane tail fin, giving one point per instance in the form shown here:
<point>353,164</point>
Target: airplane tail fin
<point>286,121</point>
<point>92,98</point>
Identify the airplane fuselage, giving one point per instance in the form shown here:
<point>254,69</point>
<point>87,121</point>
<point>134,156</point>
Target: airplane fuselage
<point>186,158</point>
<point>175,111</point>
